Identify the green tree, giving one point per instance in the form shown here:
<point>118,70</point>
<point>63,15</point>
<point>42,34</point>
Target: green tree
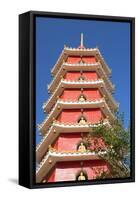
<point>117,142</point>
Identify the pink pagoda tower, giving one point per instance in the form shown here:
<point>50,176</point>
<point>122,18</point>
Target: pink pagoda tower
<point>81,96</point>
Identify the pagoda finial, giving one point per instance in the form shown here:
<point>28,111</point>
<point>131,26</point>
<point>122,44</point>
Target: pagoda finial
<point>81,42</point>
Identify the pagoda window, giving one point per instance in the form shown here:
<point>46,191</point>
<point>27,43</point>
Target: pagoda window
<point>81,78</point>
<point>82,147</point>
<point>82,98</point>
<point>82,120</point>
<point>81,61</point>
<point>81,176</point>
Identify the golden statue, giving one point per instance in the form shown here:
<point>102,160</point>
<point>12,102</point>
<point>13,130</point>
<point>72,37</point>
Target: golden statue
<point>81,78</point>
<point>82,98</point>
<point>82,147</point>
<point>81,177</point>
<point>82,120</point>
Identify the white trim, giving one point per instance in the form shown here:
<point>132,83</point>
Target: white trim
<point>44,167</point>
<point>78,84</point>
<point>69,105</point>
<point>50,136</point>
<point>77,67</point>
<point>83,51</point>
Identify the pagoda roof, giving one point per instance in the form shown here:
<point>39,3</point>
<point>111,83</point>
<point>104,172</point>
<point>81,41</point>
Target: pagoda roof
<point>69,51</point>
<point>52,157</point>
<point>43,127</point>
<point>77,67</point>
<point>58,128</point>
<point>79,84</point>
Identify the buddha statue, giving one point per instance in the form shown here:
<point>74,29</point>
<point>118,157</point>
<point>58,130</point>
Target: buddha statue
<point>82,98</point>
<point>81,177</point>
<point>82,120</point>
<point>82,147</point>
<point>81,78</point>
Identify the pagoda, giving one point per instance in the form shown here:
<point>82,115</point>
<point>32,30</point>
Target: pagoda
<point>81,97</point>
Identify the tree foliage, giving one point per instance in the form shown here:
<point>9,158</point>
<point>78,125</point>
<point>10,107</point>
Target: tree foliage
<point>117,146</point>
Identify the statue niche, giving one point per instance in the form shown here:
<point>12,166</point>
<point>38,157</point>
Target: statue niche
<point>81,78</point>
<point>82,176</point>
<point>81,147</point>
<point>81,61</point>
<point>82,120</point>
<point>82,98</point>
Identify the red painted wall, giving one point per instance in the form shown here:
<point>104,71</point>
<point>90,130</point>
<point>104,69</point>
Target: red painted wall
<point>75,75</point>
<point>69,142</point>
<point>73,94</point>
<point>66,171</point>
<point>68,116</point>
<point>76,59</point>
<point>51,175</point>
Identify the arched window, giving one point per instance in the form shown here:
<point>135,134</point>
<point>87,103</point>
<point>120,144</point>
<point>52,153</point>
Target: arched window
<point>82,120</point>
<point>82,98</point>
<point>81,176</point>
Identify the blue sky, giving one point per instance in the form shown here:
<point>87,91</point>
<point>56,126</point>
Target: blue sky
<point>113,40</point>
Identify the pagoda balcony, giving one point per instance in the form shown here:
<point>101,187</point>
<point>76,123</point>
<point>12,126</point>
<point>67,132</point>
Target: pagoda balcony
<point>78,67</point>
<point>60,104</point>
<point>55,156</point>
<point>57,128</point>
<point>79,84</point>
<point>80,52</point>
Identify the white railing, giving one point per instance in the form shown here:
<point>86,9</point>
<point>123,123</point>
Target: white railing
<point>80,49</point>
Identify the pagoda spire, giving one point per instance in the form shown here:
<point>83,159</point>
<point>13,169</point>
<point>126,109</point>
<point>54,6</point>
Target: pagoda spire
<point>81,42</point>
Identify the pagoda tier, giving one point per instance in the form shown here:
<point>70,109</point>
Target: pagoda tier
<point>81,98</point>
<point>54,156</point>
<point>74,168</point>
<point>57,128</point>
<point>87,52</point>
<point>64,106</point>
<point>77,67</point>
<point>84,84</point>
